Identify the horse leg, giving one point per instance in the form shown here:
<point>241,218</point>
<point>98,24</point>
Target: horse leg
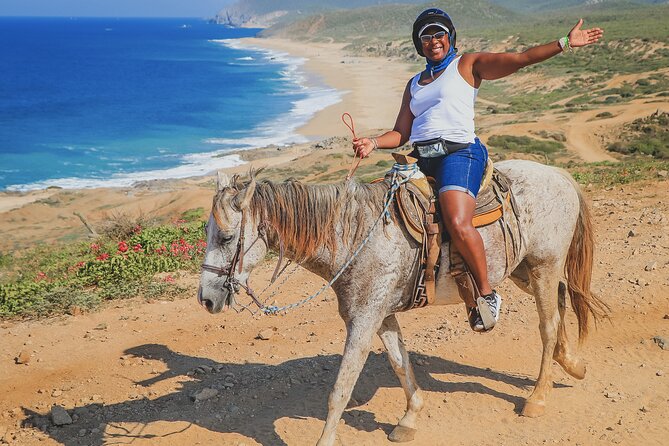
<point>359,336</point>
<point>569,362</point>
<point>563,355</point>
<point>544,284</point>
<point>391,336</point>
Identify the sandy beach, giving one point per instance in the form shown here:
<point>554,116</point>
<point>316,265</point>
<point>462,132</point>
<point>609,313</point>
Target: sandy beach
<point>372,87</point>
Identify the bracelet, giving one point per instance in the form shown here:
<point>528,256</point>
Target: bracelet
<point>376,144</point>
<point>564,44</point>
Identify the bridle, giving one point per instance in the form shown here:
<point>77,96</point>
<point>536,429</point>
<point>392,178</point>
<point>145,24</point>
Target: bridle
<point>232,284</point>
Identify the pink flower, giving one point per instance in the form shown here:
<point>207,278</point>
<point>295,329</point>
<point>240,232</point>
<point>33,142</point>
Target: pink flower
<point>168,279</point>
<point>102,257</point>
<point>122,246</point>
<point>137,248</point>
<point>95,247</point>
<point>40,276</point>
<point>137,229</point>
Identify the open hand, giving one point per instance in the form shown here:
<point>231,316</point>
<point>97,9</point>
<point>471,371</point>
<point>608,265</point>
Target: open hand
<point>363,147</point>
<point>582,37</point>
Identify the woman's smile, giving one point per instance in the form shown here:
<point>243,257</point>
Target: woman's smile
<point>435,51</point>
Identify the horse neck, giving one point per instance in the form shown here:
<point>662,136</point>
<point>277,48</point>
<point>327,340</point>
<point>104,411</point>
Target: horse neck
<point>318,225</point>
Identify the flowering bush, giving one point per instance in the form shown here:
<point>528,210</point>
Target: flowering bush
<point>105,269</point>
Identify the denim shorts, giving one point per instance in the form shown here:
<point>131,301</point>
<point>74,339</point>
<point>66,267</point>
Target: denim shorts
<point>461,170</point>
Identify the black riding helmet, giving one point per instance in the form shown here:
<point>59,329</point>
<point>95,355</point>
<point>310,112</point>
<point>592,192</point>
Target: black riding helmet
<point>432,15</point>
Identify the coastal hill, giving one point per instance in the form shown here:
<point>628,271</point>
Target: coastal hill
<point>265,13</point>
<point>636,41</point>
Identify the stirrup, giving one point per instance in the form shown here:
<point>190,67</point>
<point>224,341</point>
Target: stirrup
<point>489,319</point>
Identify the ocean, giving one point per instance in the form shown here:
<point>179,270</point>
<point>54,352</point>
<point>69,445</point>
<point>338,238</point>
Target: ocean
<point>103,102</point>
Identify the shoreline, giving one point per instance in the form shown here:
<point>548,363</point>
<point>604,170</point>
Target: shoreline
<point>371,87</point>
<point>345,83</point>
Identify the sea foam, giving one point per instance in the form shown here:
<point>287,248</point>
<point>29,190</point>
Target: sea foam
<point>283,130</point>
<point>196,164</point>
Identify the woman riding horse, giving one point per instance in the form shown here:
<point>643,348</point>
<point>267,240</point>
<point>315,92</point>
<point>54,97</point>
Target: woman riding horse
<point>555,260</point>
<point>437,118</point>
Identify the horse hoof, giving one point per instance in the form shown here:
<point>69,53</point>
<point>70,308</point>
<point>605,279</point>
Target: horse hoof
<point>402,434</point>
<point>574,367</point>
<point>577,370</point>
<point>533,410</point>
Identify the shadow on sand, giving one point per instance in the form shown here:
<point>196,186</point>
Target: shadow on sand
<point>252,397</point>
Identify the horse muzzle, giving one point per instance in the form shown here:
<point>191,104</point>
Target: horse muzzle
<point>217,304</point>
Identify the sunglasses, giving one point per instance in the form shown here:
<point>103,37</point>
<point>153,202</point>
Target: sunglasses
<point>427,38</point>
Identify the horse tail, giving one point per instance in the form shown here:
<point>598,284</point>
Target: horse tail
<point>578,270</point>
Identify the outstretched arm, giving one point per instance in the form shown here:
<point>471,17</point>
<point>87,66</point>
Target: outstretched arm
<point>492,66</point>
<point>396,137</point>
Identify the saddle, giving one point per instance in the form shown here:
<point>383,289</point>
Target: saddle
<point>417,206</point>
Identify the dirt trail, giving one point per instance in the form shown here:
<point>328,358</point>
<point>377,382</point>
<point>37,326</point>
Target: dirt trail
<point>128,374</point>
<point>587,134</point>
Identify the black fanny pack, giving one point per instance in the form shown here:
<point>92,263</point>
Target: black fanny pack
<point>433,148</point>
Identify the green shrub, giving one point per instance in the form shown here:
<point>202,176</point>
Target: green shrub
<point>646,136</point>
<point>192,215</point>
<point>120,226</point>
<point>524,144</point>
<point>613,173</point>
<point>51,279</point>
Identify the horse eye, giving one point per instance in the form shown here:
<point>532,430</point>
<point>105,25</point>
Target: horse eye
<point>225,238</point>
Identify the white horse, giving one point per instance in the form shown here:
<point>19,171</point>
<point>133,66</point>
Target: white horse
<point>321,225</point>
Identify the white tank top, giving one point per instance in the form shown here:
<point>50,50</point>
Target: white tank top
<point>444,108</point>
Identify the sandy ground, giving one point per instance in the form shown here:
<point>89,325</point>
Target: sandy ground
<point>129,373</point>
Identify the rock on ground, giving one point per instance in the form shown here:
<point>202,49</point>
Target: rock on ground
<point>59,416</point>
<point>204,395</point>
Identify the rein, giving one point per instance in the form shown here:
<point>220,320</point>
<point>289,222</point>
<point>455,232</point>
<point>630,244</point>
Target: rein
<point>356,159</point>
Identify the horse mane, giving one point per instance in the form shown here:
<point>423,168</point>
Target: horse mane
<point>307,216</point>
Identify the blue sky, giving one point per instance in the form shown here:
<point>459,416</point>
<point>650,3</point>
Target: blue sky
<point>113,8</point>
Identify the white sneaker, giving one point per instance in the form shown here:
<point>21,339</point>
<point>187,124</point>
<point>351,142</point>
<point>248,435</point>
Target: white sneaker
<point>488,308</point>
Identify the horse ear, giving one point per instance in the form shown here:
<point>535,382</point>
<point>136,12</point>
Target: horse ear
<point>222,181</point>
<point>243,199</point>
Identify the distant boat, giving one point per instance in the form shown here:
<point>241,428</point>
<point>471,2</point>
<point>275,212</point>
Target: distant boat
<point>184,26</point>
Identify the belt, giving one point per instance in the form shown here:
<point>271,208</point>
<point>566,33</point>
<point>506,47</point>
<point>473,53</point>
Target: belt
<point>433,148</point>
